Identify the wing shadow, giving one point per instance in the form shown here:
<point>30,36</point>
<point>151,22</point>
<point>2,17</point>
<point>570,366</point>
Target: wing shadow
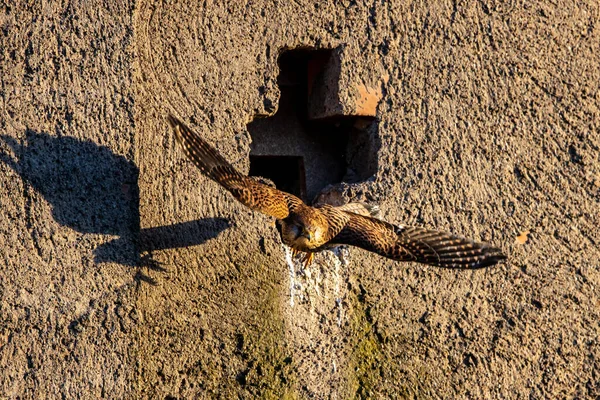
<point>183,234</point>
<point>90,188</point>
<point>93,190</point>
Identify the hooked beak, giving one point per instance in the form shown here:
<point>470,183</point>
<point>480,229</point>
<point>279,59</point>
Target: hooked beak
<point>306,233</point>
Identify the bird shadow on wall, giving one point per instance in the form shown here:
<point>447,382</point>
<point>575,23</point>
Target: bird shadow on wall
<point>93,190</point>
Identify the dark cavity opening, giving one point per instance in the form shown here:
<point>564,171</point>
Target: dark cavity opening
<point>286,172</point>
<point>303,155</point>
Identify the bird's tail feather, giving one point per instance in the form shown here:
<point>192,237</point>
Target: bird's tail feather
<point>205,156</point>
<point>446,250</point>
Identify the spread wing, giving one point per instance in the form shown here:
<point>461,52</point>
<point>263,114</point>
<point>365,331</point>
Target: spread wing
<point>368,210</point>
<point>421,245</point>
<point>248,191</point>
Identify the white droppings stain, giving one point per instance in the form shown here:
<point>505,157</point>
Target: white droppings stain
<point>340,260</point>
<point>306,282</point>
<point>317,301</point>
<point>289,259</point>
<point>318,281</point>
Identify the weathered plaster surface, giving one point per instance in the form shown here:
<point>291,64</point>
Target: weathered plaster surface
<point>126,273</point>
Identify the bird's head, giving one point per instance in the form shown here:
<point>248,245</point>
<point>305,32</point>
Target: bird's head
<point>304,233</point>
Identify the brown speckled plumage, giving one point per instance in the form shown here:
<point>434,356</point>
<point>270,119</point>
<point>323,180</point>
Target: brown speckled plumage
<point>311,229</point>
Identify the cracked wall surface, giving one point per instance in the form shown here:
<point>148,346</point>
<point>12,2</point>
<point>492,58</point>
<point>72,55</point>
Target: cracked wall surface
<point>125,273</point>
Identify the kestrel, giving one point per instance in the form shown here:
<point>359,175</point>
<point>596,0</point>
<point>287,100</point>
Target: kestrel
<point>309,229</point>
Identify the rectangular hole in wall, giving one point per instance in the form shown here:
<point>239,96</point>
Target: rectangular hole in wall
<point>334,147</point>
<point>286,172</point>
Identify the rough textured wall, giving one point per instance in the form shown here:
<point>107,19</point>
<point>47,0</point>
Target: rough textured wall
<point>68,200</point>
<point>488,126</point>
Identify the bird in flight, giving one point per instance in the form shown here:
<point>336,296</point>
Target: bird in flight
<point>309,229</point>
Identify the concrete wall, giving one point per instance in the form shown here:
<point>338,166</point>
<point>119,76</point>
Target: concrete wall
<point>68,195</point>
<point>125,273</point>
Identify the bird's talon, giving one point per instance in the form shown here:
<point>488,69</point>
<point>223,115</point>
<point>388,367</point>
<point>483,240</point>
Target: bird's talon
<point>308,259</point>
